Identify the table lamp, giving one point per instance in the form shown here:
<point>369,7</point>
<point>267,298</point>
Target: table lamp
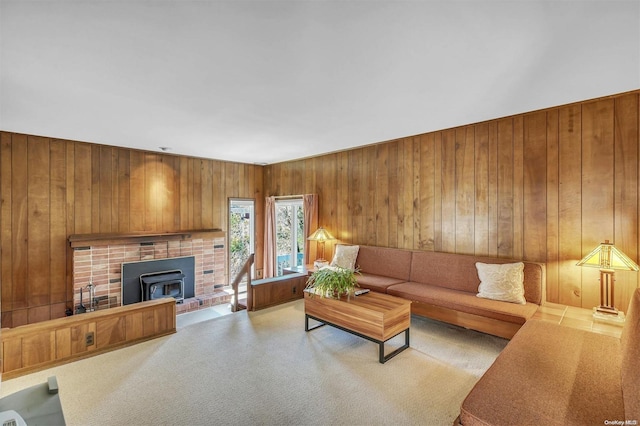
<point>608,258</point>
<point>321,235</point>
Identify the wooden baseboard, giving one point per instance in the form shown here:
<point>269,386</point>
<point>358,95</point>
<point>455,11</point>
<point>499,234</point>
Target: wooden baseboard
<point>475,322</point>
<point>34,347</point>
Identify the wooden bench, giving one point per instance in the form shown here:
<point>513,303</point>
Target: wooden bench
<point>274,291</point>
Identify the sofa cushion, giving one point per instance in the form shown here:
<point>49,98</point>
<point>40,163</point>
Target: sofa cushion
<point>464,301</point>
<point>387,262</point>
<point>503,282</point>
<point>458,272</point>
<point>345,256</point>
<point>376,282</point>
<point>630,371</point>
<point>549,375</point>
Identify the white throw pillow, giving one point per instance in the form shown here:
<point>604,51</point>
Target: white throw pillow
<point>345,256</point>
<point>503,282</point>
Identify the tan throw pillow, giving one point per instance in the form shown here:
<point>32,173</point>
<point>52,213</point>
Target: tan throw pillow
<point>503,282</point>
<point>345,256</point>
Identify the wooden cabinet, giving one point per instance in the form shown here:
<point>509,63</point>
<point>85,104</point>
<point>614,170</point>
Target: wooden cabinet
<point>273,291</point>
<point>37,346</point>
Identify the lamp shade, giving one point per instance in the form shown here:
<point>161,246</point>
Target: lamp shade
<point>321,234</point>
<point>607,256</point>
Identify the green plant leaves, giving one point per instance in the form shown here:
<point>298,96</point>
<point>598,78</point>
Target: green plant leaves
<point>332,281</point>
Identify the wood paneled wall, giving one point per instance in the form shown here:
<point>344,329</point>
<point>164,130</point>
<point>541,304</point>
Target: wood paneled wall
<point>54,188</point>
<point>544,186</point>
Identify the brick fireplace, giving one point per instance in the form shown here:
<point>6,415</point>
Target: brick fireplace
<point>98,259</point>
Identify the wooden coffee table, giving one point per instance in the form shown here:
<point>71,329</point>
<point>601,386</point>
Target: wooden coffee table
<point>373,316</point>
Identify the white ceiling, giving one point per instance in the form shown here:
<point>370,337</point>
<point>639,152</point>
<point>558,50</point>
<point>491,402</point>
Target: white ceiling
<point>269,81</point>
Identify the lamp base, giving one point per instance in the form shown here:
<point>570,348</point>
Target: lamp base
<point>607,310</point>
<point>608,314</point>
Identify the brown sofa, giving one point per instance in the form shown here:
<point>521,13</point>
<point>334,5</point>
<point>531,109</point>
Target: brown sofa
<point>554,375</point>
<point>443,286</point>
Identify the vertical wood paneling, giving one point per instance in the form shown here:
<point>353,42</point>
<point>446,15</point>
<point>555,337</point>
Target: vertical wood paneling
<point>207,194</point>
<point>597,188</point>
<point>184,192</point>
<point>523,194</point>
<point>115,189</point>
<point>38,217</point>
<point>243,184</point>
<point>382,195</point>
<point>285,175</point>
<point>392,195</point>
<point>151,192</point>
<point>6,229</point>
<point>327,193</point>
<point>355,191</point>
<point>170,196</point>
<point>545,186</point>
<point>626,192</point>
<point>19,222</point>
<point>197,193</point>
<point>297,178</point>
<point>408,198</point>
<point>369,195</point>
<point>105,191</point>
<point>219,198</point>
<point>124,191</point>
<point>95,188</point>
<point>137,191</point>
<point>464,190</point>
<point>53,188</point>
<point>82,186</point>
<point>258,195</point>
<point>534,197</point>
<point>70,210</point>
<point>58,223</point>
<point>426,174</point>
<point>417,206</point>
<point>400,185</point>
<point>552,204</point>
<point>505,188</point>
<point>437,195</point>
<point>481,196</point>
<point>448,191</point>
<point>493,189</point>
<point>569,204</point>
<point>342,198</point>
<point>191,171</point>
<point>518,188</point>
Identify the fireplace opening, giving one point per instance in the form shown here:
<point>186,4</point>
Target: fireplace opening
<point>159,285</point>
<point>158,278</point>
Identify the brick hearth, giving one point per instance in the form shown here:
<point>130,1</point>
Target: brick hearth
<point>101,263</point>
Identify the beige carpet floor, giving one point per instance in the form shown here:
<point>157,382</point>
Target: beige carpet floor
<point>262,368</point>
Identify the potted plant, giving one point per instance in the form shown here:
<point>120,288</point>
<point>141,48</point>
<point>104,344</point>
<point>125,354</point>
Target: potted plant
<point>332,281</point>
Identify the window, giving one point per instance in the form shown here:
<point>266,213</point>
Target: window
<point>290,236</point>
<point>241,235</point>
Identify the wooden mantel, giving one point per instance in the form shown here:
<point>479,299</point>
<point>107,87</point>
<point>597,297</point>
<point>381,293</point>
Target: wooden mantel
<point>89,240</point>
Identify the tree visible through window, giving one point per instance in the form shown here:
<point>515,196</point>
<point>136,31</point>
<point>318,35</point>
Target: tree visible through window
<point>290,236</point>
<point>241,234</point>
